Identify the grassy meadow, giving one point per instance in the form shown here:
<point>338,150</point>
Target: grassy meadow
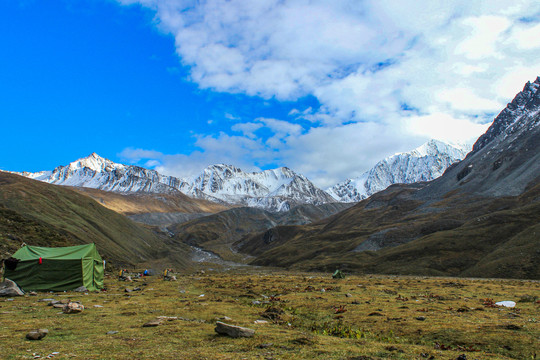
<point>304,316</point>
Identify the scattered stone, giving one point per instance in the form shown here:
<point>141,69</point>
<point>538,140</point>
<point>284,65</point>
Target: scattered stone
<point>37,334</point>
<point>375,314</point>
<point>508,304</point>
<point>128,290</point>
<point>259,322</point>
<point>420,318</point>
<point>233,331</point>
<point>153,323</point>
<point>10,288</point>
<point>112,332</point>
<point>73,308</point>
<point>348,295</point>
<point>98,306</point>
<point>137,289</point>
<point>32,293</point>
<point>256,302</point>
<point>46,300</point>
<point>57,305</point>
<point>265,346</point>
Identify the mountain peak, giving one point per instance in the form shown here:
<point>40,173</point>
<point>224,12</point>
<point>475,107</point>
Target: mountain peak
<point>524,105</point>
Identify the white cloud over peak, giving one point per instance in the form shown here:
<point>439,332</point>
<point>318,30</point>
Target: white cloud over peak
<point>387,74</point>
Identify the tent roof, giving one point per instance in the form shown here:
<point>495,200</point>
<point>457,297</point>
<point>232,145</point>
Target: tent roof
<point>61,253</point>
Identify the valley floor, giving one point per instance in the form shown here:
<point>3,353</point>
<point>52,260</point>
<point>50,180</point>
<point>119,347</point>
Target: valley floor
<point>295,316</point>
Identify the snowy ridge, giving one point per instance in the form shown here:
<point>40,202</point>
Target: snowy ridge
<point>425,163</point>
<point>518,113</point>
<point>273,190</point>
<point>96,172</point>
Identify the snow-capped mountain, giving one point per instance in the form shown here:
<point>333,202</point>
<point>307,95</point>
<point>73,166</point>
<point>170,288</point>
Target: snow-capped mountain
<point>517,114</point>
<point>274,190</point>
<point>96,172</point>
<point>424,163</point>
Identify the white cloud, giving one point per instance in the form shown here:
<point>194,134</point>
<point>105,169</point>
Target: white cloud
<point>445,128</point>
<point>382,70</point>
<point>527,37</point>
<point>484,36</point>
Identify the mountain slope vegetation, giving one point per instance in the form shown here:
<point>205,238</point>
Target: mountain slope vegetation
<point>41,214</point>
<point>481,218</point>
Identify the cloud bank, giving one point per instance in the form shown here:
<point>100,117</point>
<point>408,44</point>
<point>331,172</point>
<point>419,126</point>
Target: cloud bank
<point>387,75</point>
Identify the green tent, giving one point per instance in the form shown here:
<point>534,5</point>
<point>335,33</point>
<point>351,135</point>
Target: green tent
<point>57,269</point>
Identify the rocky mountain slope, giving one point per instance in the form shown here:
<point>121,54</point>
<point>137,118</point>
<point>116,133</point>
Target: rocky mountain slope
<point>424,163</point>
<point>480,218</point>
<point>217,232</point>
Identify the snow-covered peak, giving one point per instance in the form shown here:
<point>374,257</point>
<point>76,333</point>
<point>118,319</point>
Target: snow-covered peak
<point>518,113</point>
<point>435,148</point>
<point>94,162</point>
<point>424,163</point>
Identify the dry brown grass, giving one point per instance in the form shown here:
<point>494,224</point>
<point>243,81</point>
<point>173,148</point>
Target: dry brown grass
<point>376,317</point>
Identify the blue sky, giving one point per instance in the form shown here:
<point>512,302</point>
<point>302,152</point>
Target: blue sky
<point>326,88</point>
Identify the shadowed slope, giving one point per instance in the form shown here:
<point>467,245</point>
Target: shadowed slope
<point>47,215</point>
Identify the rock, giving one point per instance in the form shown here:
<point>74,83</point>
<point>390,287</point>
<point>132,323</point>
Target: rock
<point>152,323</point>
<point>72,308</point>
<point>509,304</point>
<point>37,334</point>
<point>420,318</point>
<point>112,332</point>
<point>98,306</point>
<point>348,295</point>
<point>46,300</point>
<point>57,305</point>
<point>81,289</point>
<point>9,288</point>
<point>32,293</point>
<point>259,322</point>
<point>233,331</point>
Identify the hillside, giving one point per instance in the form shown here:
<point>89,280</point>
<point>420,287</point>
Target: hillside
<point>143,203</point>
<point>219,231</point>
<point>481,218</point>
<point>41,214</point>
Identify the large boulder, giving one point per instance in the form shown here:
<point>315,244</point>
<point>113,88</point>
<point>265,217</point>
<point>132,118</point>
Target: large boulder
<point>233,331</point>
<point>37,334</point>
<point>9,288</point>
